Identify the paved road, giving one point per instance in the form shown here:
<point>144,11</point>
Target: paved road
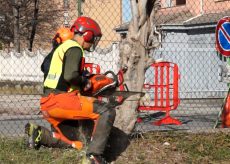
<point>194,115</point>
<point>19,105</point>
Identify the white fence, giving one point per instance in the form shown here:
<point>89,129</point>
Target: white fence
<point>25,66</point>
<point>198,69</point>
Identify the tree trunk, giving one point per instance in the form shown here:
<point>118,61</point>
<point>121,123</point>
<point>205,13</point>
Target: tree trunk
<point>16,13</point>
<point>34,24</point>
<point>134,54</point>
<point>134,79</point>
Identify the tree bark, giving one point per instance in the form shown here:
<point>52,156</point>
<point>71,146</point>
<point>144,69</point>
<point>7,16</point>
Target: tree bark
<point>34,24</point>
<point>134,54</point>
<point>16,13</point>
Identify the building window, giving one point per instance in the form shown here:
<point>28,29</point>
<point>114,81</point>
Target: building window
<point>180,2</point>
<point>168,3</point>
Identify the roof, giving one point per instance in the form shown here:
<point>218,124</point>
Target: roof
<point>209,18</point>
<point>175,19</point>
<point>184,18</point>
<point>122,27</point>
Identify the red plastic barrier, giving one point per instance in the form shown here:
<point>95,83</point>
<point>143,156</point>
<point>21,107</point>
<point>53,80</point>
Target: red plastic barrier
<point>92,68</point>
<point>165,87</point>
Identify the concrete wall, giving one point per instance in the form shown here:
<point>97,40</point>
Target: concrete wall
<point>108,14</point>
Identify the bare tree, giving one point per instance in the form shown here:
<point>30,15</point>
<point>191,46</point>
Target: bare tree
<point>135,55</point>
<point>16,4</point>
<point>6,33</point>
<point>28,21</point>
<point>17,16</point>
<point>34,24</point>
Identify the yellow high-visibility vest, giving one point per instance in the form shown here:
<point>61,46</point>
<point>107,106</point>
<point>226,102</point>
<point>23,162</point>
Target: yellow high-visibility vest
<point>56,64</point>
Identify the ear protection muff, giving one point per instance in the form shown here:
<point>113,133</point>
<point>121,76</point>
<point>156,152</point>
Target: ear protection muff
<point>88,36</point>
<point>57,38</point>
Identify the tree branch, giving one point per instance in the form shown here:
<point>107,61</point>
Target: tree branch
<point>135,15</point>
<point>142,12</point>
<point>9,16</point>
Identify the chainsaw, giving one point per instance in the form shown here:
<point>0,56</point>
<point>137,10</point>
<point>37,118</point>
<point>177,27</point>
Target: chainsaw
<point>107,84</point>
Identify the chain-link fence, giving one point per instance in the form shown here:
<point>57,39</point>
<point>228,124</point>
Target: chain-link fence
<point>186,32</point>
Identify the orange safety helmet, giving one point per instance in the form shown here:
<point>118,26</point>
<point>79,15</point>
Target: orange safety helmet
<point>89,29</point>
<point>62,35</point>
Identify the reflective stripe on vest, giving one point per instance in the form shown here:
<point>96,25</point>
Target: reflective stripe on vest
<point>56,64</point>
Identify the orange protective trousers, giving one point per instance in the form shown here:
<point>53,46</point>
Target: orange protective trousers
<point>72,106</point>
<point>68,106</point>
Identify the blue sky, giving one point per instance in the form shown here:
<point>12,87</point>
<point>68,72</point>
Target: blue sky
<point>126,10</point>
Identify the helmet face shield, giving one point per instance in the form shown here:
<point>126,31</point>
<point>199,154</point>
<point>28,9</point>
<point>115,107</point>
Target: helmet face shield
<point>95,43</point>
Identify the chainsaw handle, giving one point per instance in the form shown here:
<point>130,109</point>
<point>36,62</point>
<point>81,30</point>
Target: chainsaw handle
<point>113,75</point>
<point>120,77</point>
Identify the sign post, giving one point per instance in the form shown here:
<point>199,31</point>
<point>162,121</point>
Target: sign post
<point>223,47</point>
<point>223,36</point>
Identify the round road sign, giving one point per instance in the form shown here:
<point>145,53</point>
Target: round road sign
<point>223,36</point>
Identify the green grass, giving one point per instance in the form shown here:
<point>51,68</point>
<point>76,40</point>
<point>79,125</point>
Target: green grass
<point>207,148</point>
<point>181,148</point>
<point>15,151</point>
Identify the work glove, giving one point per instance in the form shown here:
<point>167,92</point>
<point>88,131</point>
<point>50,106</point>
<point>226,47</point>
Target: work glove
<point>86,73</point>
<point>88,85</point>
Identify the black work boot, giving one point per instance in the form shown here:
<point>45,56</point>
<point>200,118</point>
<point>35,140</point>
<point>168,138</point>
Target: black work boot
<point>34,133</point>
<point>94,159</point>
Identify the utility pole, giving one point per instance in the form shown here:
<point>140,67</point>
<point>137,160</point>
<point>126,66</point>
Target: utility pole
<point>79,7</point>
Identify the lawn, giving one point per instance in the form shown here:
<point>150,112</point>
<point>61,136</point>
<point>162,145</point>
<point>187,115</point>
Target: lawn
<point>151,148</point>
